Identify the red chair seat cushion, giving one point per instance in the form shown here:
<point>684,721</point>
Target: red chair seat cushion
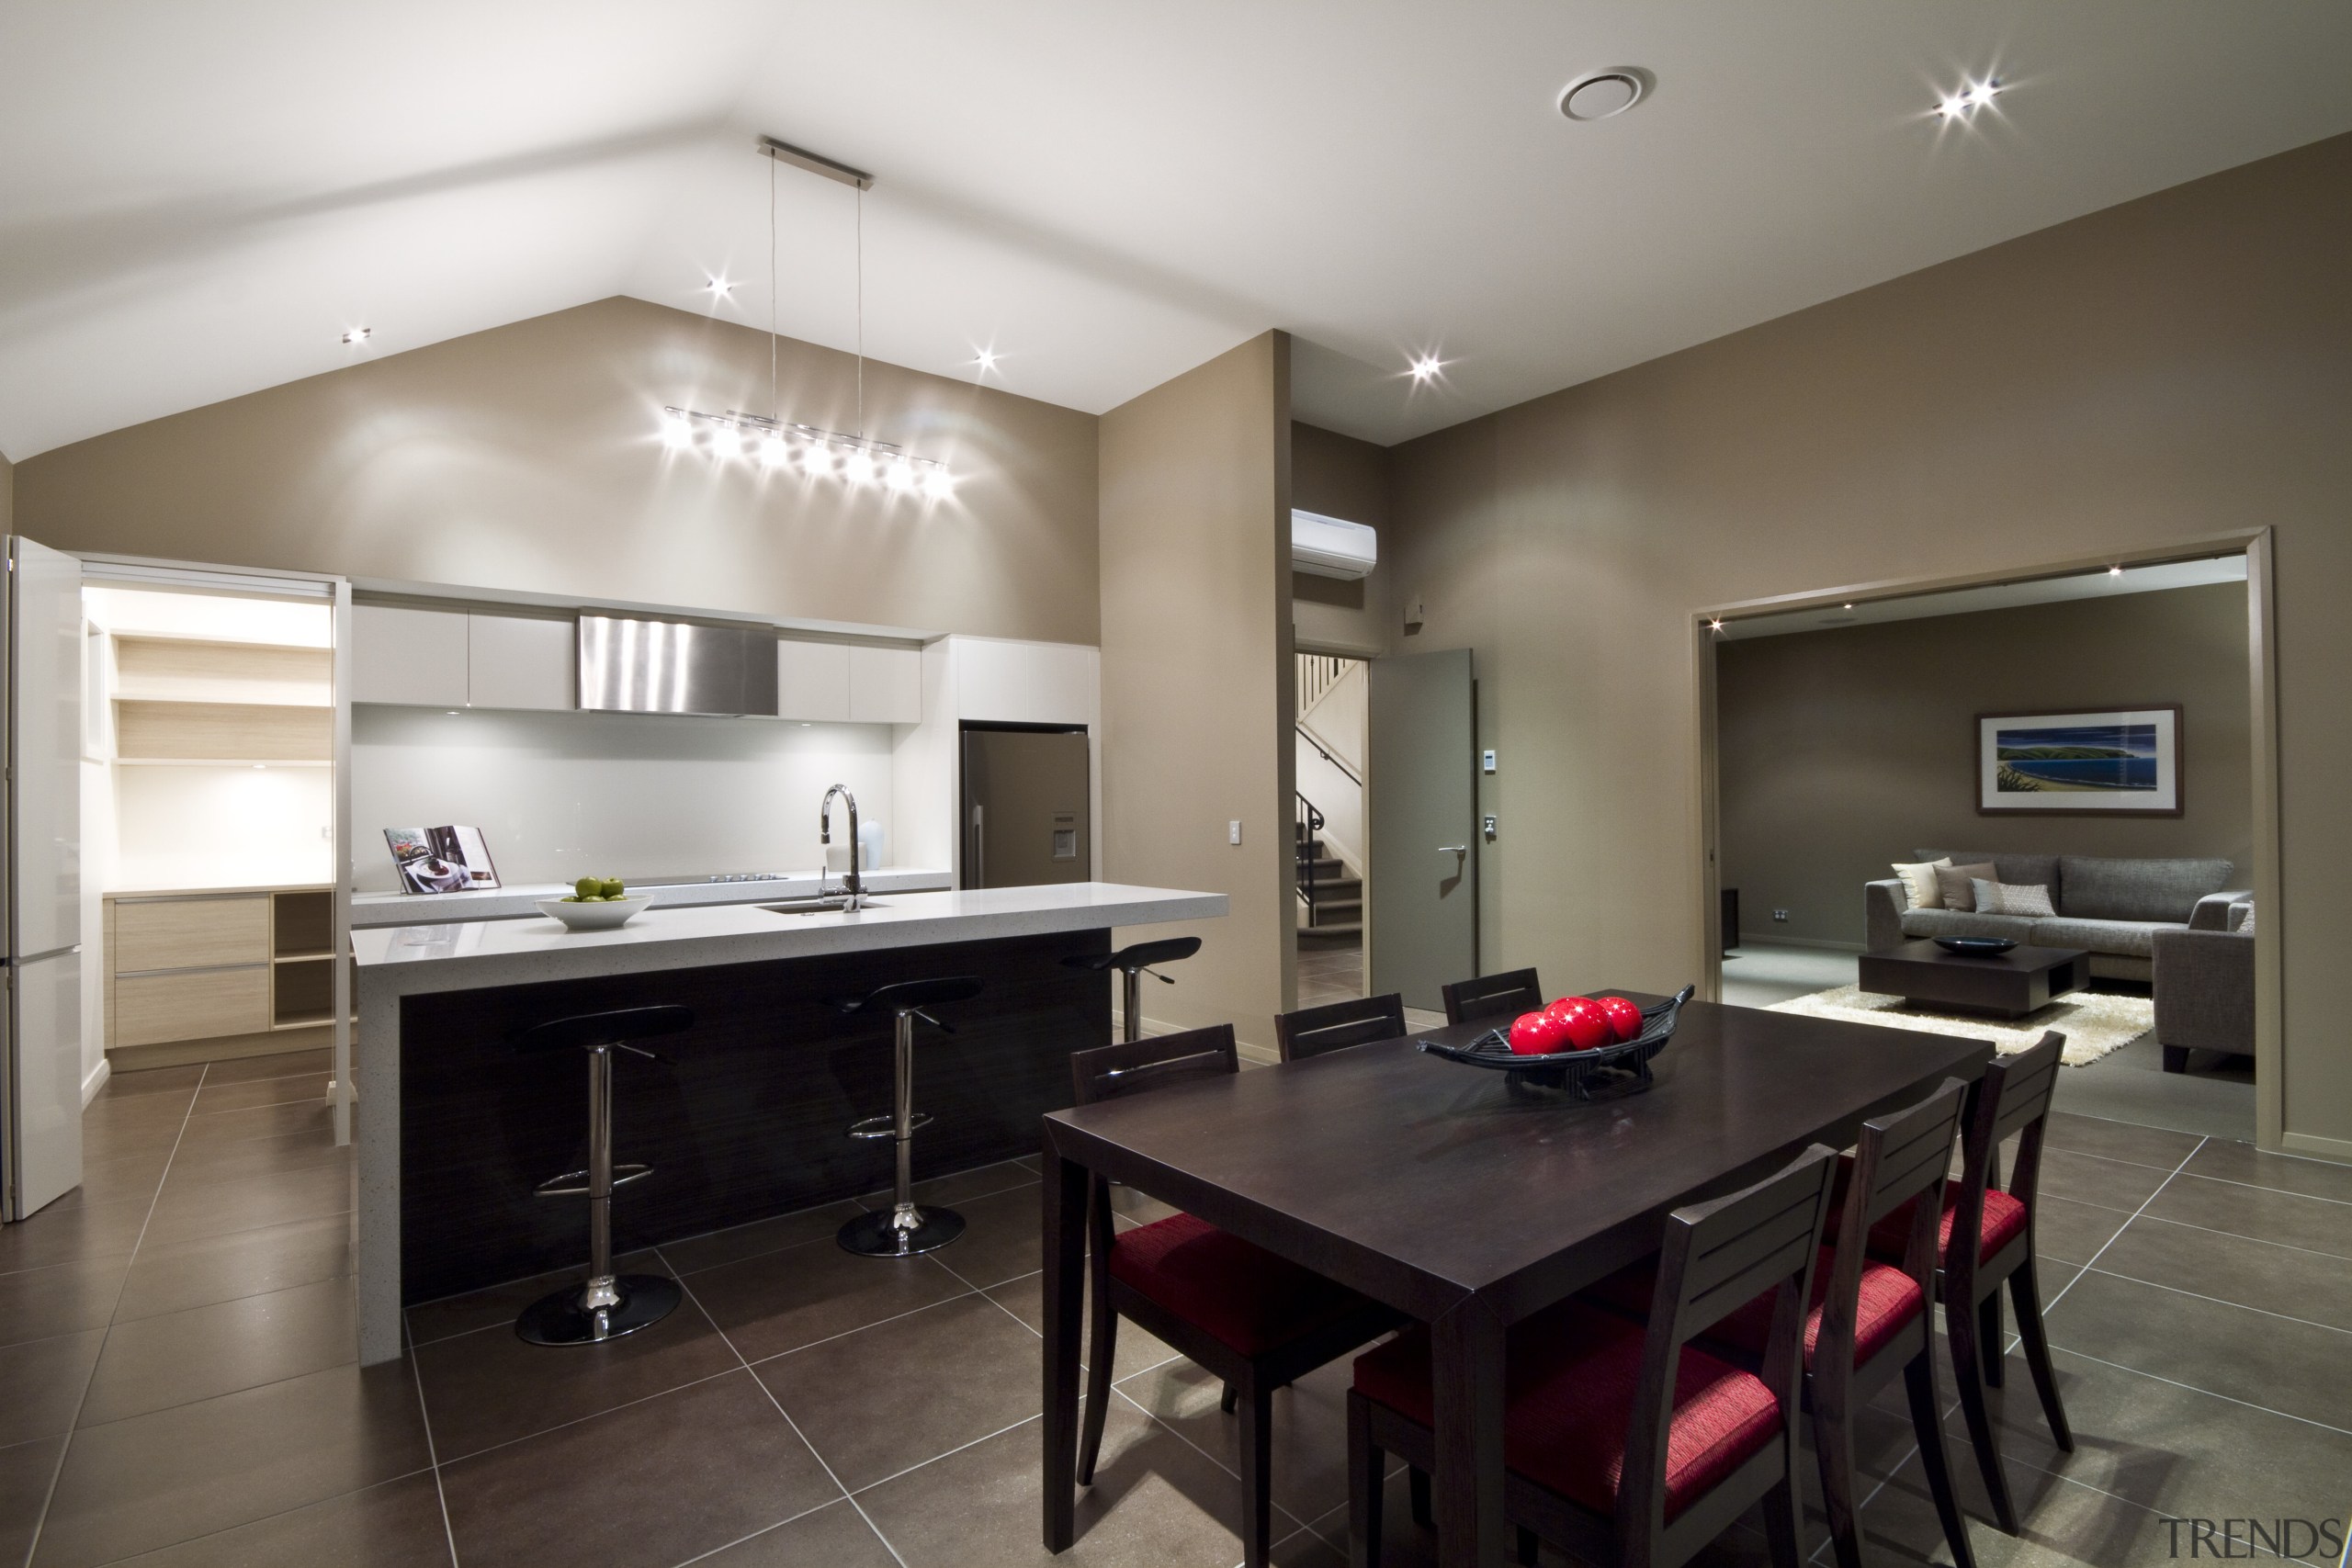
<point>1888,1299</point>
<point>2004,1221</point>
<point>1247,1297</point>
<point>1570,1377</point>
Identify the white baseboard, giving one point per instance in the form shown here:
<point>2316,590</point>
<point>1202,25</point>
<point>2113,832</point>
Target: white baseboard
<point>2338,1149</point>
<point>1773,940</point>
<point>1152,1028</point>
<point>95,1080</point>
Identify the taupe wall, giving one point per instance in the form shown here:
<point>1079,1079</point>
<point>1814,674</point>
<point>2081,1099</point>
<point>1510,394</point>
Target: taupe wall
<point>1197,673</point>
<point>1341,477</point>
<point>1839,751</point>
<point>2156,372</point>
<point>7,496</point>
<point>526,457</point>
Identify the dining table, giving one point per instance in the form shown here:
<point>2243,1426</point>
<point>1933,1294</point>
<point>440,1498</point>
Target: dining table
<point>1441,1190</point>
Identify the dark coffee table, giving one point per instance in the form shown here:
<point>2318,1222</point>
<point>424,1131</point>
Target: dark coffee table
<point>2013,984</point>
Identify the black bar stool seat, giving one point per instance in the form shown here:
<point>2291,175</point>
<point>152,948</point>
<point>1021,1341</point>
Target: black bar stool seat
<point>907,1229</point>
<point>1135,962</point>
<point>604,1306</point>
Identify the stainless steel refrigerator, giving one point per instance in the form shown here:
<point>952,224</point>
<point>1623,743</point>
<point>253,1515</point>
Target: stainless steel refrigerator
<point>1025,817</point>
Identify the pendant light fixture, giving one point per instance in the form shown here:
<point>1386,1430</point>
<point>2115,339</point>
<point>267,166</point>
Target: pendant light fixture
<point>776,443</point>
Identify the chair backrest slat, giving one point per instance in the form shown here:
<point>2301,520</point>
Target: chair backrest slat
<point>1490,996</point>
<point>1908,1152</point>
<point>1733,1262</point>
<point>1108,1072</point>
<point>2013,1098</point>
<point>1310,1031</point>
<point>2029,1082</point>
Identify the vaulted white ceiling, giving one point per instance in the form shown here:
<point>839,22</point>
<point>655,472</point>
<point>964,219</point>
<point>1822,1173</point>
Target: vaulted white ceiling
<point>198,198</point>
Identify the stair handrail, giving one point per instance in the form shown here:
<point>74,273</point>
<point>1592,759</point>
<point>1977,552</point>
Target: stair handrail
<point>1323,751</point>
<point>1311,820</point>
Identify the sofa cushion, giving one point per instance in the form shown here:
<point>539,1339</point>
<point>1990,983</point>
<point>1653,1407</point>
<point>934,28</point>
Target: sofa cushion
<point>2091,887</point>
<point>2028,898</point>
<point>2042,868</point>
<point>1954,884</point>
<point>2132,938</point>
<point>1965,922</point>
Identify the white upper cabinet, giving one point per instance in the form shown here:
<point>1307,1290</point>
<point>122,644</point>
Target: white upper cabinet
<point>813,681</point>
<point>517,661</point>
<point>400,655</point>
<point>885,685</point>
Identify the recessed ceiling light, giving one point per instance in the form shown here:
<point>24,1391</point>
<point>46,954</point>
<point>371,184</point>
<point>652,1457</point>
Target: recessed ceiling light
<point>718,287</point>
<point>2115,571</point>
<point>1426,367</point>
<point>985,360</point>
<point>358,334</point>
<point>1972,96</point>
<point>1604,92</point>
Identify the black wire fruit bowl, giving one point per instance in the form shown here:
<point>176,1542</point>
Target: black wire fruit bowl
<point>1622,1069</point>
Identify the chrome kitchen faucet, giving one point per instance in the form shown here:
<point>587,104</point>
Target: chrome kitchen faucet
<point>853,884</point>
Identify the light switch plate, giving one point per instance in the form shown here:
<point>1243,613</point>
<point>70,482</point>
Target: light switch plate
<point>1233,832</point>
<point>1487,761</point>
<point>1487,822</point>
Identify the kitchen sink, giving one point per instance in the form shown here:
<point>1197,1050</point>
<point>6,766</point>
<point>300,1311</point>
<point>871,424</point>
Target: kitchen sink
<point>831,905</point>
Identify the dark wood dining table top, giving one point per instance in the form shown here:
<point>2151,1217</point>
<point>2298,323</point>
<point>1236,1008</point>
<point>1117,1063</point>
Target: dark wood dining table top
<point>1419,1180</point>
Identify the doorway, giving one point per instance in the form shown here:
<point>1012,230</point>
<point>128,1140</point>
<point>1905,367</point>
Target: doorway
<point>1330,734</point>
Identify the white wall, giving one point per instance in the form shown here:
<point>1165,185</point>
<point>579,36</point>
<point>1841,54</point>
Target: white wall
<point>1338,720</point>
<point>562,795</point>
<point>225,827</point>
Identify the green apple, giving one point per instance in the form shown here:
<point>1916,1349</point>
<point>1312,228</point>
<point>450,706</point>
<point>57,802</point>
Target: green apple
<point>587,888</point>
<point>612,888</point>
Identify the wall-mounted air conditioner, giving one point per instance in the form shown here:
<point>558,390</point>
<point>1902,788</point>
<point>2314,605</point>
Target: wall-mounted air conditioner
<point>1326,546</point>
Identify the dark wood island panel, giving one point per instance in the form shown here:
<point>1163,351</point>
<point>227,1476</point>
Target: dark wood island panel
<point>751,1117</point>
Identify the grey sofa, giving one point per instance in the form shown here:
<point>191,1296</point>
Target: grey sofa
<point>2204,982</point>
<point>2112,910</point>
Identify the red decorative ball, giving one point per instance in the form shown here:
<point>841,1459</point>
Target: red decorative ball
<point>1624,1017</point>
<point>1581,1019</point>
<point>1535,1034</point>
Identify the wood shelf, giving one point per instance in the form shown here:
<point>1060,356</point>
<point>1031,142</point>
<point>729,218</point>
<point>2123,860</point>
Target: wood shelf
<point>157,669</point>
<point>214,732</point>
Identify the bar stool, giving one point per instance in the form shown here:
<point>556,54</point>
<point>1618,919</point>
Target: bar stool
<point>906,1230</point>
<point>604,1306</point>
<point>1135,963</point>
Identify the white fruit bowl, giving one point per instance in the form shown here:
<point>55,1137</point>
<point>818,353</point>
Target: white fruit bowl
<point>603,915</point>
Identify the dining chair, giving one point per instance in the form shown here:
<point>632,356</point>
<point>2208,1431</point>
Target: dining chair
<point>1490,995</point>
<point>1868,1318</point>
<point>2013,1100</point>
<point>1256,1320</point>
<point>1310,1031</point>
<point>1624,1442</point>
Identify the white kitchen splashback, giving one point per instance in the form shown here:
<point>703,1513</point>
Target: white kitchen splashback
<point>562,795</point>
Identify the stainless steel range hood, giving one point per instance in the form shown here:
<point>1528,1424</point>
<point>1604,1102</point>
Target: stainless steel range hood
<point>630,664</point>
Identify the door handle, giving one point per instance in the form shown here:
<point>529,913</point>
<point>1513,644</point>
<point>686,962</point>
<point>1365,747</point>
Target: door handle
<point>979,847</point>
<point>1454,849</point>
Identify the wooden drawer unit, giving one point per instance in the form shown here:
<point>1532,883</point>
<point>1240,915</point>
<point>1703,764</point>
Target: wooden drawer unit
<point>193,1004</point>
<point>190,934</point>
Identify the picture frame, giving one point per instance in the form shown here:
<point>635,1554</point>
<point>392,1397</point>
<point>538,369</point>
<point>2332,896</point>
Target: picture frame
<point>2121,761</point>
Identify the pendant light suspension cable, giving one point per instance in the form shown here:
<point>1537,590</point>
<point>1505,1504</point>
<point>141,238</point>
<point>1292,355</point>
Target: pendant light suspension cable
<point>775,405</point>
<point>861,309</point>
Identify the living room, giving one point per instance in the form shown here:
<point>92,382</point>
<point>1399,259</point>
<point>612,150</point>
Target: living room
<point>2006,809</point>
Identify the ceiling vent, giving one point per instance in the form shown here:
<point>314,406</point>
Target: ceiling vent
<point>1326,546</point>
<point>1604,92</point>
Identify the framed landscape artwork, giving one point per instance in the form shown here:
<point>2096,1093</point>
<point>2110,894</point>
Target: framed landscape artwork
<point>2105,761</point>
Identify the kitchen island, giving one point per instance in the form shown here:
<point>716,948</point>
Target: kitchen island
<point>749,1118</point>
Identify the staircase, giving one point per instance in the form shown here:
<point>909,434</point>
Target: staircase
<point>1333,900</point>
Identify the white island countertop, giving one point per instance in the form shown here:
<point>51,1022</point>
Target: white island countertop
<point>521,899</point>
<point>466,954</point>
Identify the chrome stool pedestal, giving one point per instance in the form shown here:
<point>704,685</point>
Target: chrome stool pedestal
<point>605,1305</point>
<point>907,1229</point>
<point>1133,962</point>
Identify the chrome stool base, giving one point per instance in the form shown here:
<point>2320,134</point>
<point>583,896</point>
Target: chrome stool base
<point>561,1319</point>
<point>890,1233</point>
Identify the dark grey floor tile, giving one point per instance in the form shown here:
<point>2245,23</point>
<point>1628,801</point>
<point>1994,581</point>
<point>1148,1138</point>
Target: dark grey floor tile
<point>395,1525</point>
<point>1133,1350</point>
<point>500,1305</point>
<point>262,1121</point>
<point>135,1116</point>
<point>70,1235</point>
<point>1310,1429</point>
<point>196,1164</point>
<point>2072,1232</point>
<point>1000,1240</point>
<point>2106,1183</point>
<point>104,1139</point>
<point>175,1276</point>
<point>65,1298</point>
<point>962,1185</point>
<point>2230,1350</point>
<point>2287,1173</point>
<point>781,1301</point>
<point>181,1357</point>
<point>247,1070</point>
<point>2284,1279</point>
<point>154,1481</point>
<point>116,1179</point>
<point>44,1380</point>
<point>180,1081</point>
<point>876,1402</point>
<point>223,1095</point>
<point>25,1472</point>
<point>738,1242</point>
<point>489,1387</point>
<point>1156,1503</point>
<point>2287,1218</point>
<point>644,1487</point>
<point>191,1211</point>
<point>2119,1140</point>
<point>835,1535</point>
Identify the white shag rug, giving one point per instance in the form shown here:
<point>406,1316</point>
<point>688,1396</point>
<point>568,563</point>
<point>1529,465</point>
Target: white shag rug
<point>2093,1021</point>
